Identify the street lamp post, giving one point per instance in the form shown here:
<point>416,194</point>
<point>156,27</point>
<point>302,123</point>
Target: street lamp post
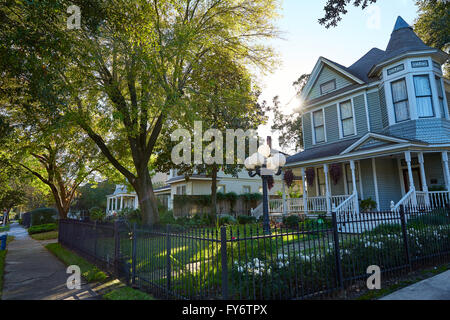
<point>264,164</point>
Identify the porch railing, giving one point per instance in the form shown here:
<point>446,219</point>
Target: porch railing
<point>349,206</point>
<point>439,199</point>
<point>409,200</point>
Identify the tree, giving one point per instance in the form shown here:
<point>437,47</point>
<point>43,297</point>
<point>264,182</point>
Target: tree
<point>128,69</point>
<point>289,126</point>
<point>92,195</point>
<point>335,9</point>
<point>432,25</point>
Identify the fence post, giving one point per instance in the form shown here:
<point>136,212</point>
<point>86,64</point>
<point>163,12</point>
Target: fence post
<point>405,236</point>
<point>168,265</point>
<point>116,247</point>
<point>223,250</point>
<point>337,251</point>
<point>133,256</point>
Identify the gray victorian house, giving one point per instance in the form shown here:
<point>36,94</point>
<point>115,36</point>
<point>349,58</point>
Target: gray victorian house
<point>377,129</point>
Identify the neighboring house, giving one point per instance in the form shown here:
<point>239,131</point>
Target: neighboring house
<point>166,186</point>
<point>382,125</point>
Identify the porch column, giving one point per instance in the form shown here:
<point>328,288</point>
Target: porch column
<point>410,174</point>
<point>285,209</point>
<point>136,202</point>
<point>305,193</point>
<point>121,203</point>
<point>355,190</point>
<point>446,171</point>
<point>327,188</point>
<point>423,177</point>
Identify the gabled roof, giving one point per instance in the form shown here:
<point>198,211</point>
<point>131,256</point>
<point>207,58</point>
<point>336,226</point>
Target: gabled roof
<point>403,41</point>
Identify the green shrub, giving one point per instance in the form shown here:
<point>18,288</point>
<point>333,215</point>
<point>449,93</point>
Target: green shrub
<point>226,219</point>
<point>42,228</point>
<point>246,219</point>
<point>97,214</point>
<point>166,217</point>
<point>132,215</point>
<point>436,218</point>
<point>367,205</point>
<point>43,216</point>
<point>291,221</point>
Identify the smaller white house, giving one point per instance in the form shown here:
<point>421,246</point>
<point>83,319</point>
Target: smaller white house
<point>120,200</point>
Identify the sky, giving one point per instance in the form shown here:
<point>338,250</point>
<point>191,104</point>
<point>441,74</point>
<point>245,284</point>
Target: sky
<point>304,40</point>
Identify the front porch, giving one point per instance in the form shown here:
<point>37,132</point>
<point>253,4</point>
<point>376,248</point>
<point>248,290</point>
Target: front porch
<point>391,175</point>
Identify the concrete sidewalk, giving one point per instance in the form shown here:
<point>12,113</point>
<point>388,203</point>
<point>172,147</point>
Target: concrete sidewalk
<point>435,288</point>
<point>33,273</point>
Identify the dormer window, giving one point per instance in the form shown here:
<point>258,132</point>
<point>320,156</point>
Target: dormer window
<point>423,96</point>
<point>400,99</point>
<point>328,86</point>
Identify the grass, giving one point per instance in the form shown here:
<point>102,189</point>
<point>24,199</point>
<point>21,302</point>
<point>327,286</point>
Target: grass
<point>4,228</point>
<point>127,293</point>
<point>90,272</point>
<point>2,263</point>
<point>45,235</point>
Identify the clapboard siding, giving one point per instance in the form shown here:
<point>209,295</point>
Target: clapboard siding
<point>376,123</point>
<point>360,115</point>
<point>326,75</point>
<point>307,131</point>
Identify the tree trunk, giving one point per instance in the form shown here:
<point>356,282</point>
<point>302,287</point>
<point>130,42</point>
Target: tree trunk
<point>147,199</point>
<point>214,191</point>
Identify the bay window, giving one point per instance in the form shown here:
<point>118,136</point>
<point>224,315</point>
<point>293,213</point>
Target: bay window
<point>347,121</point>
<point>400,99</point>
<point>423,96</point>
<point>440,96</point>
<point>319,126</point>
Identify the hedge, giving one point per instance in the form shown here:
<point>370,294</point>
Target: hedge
<point>42,228</point>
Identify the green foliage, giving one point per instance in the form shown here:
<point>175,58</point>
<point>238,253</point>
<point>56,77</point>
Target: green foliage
<point>166,217</point>
<point>97,214</point>
<point>43,216</point>
<point>367,205</point>
<point>251,196</point>
<point>246,219</point>
<point>132,215</point>
<point>225,219</point>
<point>92,195</point>
<point>42,228</point>
<point>90,272</point>
<point>291,221</point>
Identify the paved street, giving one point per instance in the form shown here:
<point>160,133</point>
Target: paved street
<point>33,273</point>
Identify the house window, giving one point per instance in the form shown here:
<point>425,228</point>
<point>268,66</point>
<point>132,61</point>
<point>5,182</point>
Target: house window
<point>220,189</point>
<point>400,99</point>
<point>321,181</point>
<point>423,96</point>
<point>440,96</point>
<point>347,123</point>
<point>348,175</point>
<point>246,189</point>
<point>328,86</point>
<point>181,190</point>
<point>319,126</point>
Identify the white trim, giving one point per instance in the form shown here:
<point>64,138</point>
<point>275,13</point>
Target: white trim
<point>375,182</point>
<point>444,92</point>
<point>373,136</point>
<point>372,152</point>
<point>398,58</point>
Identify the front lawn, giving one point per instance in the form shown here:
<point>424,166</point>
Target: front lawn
<point>90,272</point>
<point>127,293</point>
<point>45,235</point>
<point>4,228</point>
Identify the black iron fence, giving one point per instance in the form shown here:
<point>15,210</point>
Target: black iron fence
<point>314,259</point>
